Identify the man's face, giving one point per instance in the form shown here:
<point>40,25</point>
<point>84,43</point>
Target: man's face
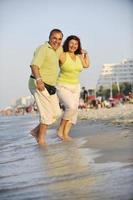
<point>55,40</point>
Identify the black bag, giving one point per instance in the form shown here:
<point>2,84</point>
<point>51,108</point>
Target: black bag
<point>51,89</point>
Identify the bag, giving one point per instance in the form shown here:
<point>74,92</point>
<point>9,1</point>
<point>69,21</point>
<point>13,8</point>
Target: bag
<point>51,89</point>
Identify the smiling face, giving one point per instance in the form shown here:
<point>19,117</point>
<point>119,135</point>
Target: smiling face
<point>73,46</point>
<point>55,40</point>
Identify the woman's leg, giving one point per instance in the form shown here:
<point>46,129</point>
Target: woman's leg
<point>70,99</point>
<point>64,130</point>
<point>61,129</point>
<point>67,128</point>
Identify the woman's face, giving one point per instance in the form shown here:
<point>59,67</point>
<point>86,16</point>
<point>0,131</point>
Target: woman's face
<point>72,46</point>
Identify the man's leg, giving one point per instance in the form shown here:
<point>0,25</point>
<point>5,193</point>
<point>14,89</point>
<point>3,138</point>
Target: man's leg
<point>34,132</point>
<point>42,133</point>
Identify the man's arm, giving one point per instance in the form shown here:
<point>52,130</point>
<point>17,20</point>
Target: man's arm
<point>36,74</point>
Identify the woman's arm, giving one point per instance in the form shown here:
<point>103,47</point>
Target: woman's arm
<point>62,58</point>
<point>84,59</point>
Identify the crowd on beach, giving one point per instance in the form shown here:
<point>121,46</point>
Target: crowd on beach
<point>91,101</point>
<point>86,102</point>
<point>117,110</point>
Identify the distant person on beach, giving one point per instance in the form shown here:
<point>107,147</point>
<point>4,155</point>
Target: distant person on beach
<point>44,68</point>
<point>84,94</point>
<point>72,61</point>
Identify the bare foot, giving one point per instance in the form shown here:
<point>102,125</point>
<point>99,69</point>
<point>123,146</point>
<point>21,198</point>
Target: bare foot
<point>68,138</point>
<point>60,135</point>
<point>42,142</point>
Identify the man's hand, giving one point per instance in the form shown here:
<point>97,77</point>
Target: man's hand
<point>40,85</point>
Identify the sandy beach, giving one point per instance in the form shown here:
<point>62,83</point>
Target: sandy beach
<point>110,130</point>
<point>96,165</point>
<point>122,113</point>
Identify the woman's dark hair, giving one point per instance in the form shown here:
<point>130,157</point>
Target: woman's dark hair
<point>66,43</point>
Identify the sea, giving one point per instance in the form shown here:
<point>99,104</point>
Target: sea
<point>58,171</point>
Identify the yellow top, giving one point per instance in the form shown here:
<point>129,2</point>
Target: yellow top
<point>47,59</point>
<point>70,70</point>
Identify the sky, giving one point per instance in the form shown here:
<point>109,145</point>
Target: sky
<point>105,28</point>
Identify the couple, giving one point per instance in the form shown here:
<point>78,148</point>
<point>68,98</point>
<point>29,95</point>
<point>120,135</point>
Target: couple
<point>44,68</point>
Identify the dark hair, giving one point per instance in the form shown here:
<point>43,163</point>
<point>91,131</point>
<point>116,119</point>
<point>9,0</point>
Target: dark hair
<point>55,30</point>
<point>66,43</point>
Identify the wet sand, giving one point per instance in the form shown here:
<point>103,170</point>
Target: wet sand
<point>96,165</point>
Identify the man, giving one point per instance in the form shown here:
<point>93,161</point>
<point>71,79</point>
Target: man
<point>44,67</point>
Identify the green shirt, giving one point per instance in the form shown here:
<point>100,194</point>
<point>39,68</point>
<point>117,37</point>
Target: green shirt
<point>47,59</point>
<point>70,70</point>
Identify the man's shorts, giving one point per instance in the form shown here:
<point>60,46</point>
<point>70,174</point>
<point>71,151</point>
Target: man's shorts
<point>48,106</point>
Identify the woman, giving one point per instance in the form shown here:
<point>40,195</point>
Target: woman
<point>72,61</point>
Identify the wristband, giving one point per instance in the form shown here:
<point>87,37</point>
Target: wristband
<point>39,78</point>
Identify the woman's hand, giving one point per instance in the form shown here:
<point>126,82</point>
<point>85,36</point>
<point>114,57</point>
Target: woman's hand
<point>83,53</point>
<point>84,58</point>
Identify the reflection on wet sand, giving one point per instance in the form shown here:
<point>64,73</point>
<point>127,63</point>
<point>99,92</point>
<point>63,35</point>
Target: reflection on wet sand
<point>68,166</point>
